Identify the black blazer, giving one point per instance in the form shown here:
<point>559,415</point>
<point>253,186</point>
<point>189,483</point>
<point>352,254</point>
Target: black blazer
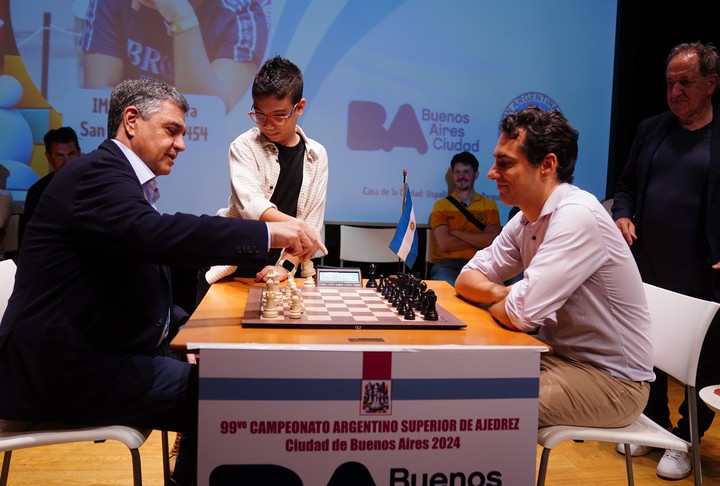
<point>630,192</point>
<point>92,291</point>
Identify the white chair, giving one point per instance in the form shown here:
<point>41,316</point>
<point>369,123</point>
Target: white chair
<point>366,244</point>
<point>677,351</point>
<point>16,435</point>
<point>429,242</point>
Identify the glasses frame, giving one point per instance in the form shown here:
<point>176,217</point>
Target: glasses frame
<point>277,120</point>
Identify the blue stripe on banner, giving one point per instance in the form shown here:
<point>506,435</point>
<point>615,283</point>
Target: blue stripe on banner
<point>350,389</point>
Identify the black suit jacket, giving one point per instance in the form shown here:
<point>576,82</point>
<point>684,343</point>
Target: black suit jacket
<point>629,197</point>
<point>33,196</point>
<point>92,291</point>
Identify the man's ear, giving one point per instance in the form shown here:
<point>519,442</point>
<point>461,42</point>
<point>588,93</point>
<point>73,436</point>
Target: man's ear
<point>549,165</point>
<point>131,115</point>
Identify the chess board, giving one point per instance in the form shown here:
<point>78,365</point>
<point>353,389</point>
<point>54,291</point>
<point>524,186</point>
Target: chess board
<point>342,308</point>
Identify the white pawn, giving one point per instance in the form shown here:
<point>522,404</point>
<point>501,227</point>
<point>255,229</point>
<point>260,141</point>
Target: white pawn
<point>291,284</point>
<point>296,292</point>
<point>295,307</point>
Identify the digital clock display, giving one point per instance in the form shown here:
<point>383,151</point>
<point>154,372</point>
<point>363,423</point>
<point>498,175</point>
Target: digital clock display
<point>339,277</point>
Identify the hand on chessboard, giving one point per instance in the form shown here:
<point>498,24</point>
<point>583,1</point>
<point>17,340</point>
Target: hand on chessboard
<point>296,238</point>
<point>264,274</point>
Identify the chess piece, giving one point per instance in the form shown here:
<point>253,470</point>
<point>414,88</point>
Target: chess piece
<point>295,307</point>
<point>422,296</point>
<point>409,312</point>
<point>272,282</point>
<point>431,311</point>
<point>381,284</point>
<point>270,309</point>
<point>371,283</point>
<point>296,292</point>
<point>307,269</point>
<point>402,303</point>
<point>308,272</point>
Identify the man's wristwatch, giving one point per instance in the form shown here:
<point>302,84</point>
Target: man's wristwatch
<point>288,265</point>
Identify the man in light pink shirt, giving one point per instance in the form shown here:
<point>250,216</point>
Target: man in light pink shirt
<point>580,290</point>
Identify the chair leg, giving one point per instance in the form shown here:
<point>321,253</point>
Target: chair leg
<point>628,466</point>
<point>137,469</point>
<point>166,457</point>
<point>542,470</point>
<point>694,434</point>
<point>5,468</point>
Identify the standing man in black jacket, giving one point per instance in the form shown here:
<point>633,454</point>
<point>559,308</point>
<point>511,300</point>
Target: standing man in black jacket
<point>667,206</point>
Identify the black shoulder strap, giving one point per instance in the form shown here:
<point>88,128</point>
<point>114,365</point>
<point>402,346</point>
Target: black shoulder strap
<point>467,213</point>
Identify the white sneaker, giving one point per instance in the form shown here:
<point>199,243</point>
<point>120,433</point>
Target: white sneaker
<point>635,449</point>
<point>674,465</point>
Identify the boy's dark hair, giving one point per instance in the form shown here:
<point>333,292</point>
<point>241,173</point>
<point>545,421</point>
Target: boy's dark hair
<point>60,135</point>
<point>465,158</point>
<point>278,78</point>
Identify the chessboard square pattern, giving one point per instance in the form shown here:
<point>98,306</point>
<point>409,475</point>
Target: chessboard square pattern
<point>341,307</point>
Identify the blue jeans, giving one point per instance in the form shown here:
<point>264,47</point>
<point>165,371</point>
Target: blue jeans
<point>447,270</point>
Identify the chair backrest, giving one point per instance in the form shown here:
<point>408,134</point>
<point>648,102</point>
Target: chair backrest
<point>7,281</point>
<point>319,254</point>
<point>11,240</point>
<point>366,244</point>
<point>679,325</point>
<point>607,204</point>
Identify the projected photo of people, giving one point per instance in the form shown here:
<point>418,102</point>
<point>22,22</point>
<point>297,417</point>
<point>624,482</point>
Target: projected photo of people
<point>210,47</point>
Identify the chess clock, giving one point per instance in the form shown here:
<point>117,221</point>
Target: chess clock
<point>338,277</point>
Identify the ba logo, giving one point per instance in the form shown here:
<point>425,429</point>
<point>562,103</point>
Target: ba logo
<point>531,98</point>
<point>366,128</point>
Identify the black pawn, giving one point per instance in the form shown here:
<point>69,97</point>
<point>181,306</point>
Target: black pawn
<point>402,305</point>
<point>409,313</point>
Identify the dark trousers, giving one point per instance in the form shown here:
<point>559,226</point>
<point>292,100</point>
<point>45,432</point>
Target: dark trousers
<point>708,374</point>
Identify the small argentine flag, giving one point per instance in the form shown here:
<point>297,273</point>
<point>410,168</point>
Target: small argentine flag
<point>405,242</point>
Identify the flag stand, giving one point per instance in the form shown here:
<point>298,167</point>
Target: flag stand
<point>401,267</point>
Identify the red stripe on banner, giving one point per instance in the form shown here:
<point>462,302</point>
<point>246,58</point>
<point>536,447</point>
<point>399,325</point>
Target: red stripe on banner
<point>377,366</point>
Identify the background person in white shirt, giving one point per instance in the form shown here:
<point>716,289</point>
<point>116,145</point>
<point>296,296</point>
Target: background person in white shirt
<point>580,288</point>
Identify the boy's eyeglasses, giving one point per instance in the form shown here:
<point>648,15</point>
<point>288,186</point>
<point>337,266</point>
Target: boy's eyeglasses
<point>279,120</point>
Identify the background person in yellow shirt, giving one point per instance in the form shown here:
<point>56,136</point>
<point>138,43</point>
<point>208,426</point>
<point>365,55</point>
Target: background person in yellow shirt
<point>462,223</point>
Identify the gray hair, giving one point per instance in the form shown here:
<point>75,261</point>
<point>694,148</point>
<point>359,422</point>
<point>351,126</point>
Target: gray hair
<point>708,57</point>
<point>147,95</point>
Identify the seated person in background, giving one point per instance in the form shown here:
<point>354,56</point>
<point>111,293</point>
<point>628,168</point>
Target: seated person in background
<point>277,173</point>
<point>581,286</point>
<point>6,207</point>
<point>462,223</point>
<point>85,337</point>
<point>207,47</point>
<point>61,146</point>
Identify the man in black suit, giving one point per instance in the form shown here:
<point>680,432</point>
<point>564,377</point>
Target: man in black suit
<point>84,339</point>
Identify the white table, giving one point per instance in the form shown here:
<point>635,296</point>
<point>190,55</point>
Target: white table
<point>710,398</point>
